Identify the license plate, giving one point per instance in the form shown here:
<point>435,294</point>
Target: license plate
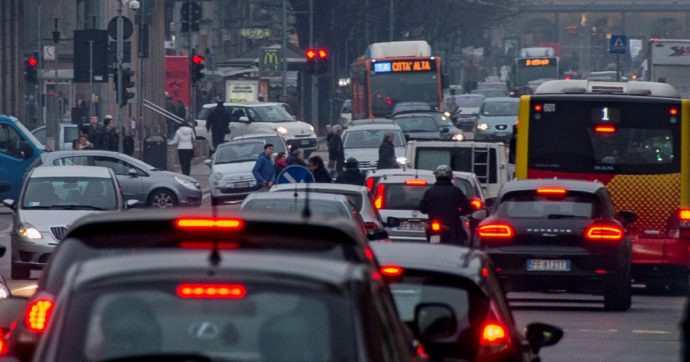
<point>242,185</point>
<point>548,265</point>
<point>412,226</point>
<point>304,142</point>
<point>501,134</point>
<point>435,239</point>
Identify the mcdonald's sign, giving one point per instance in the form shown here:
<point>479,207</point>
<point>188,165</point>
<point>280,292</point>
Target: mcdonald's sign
<point>269,60</point>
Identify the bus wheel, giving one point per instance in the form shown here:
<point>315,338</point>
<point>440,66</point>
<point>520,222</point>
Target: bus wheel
<point>618,294</point>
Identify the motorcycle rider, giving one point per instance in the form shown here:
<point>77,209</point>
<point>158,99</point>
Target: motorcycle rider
<point>446,203</point>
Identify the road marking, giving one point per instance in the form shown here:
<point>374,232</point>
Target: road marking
<point>598,330</point>
<point>650,331</point>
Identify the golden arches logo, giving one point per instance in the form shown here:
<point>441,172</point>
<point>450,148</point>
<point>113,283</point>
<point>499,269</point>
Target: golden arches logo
<point>270,58</point>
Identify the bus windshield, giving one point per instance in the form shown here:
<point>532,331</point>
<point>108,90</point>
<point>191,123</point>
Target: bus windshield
<point>595,136</point>
<point>390,88</point>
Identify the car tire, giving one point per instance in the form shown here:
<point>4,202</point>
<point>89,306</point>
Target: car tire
<point>618,294</point>
<point>162,199</point>
<point>20,272</point>
<point>215,202</point>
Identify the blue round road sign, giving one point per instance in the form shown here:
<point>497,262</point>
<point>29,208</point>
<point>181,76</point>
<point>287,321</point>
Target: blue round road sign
<point>295,174</point>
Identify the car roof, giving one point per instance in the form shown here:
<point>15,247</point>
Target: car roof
<point>399,179</point>
<point>411,172</point>
<point>321,186</point>
<point>429,114</point>
<point>255,135</point>
<point>71,171</point>
<point>248,262</point>
<point>245,104</point>
<point>502,99</point>
<point>450,259</point>
<point>241,142</point>
<point>289,196</point>
<point>572,185</point>
<point>373,121</point>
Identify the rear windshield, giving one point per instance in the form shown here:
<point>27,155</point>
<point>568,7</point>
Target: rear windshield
<point>371,138</point>
<point>403,197</point>
<point>529,205</point>
<point>320,207</point>
<point>238,152</point>
<point>271,322</point>
<point>355,198</point>
<point>417,124</point>
<point>509,108</point>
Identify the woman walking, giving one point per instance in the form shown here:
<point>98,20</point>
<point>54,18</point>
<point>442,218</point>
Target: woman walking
<point>184,139</point>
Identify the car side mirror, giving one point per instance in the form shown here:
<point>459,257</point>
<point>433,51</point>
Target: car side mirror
<point>541,335</point>
<point>131,204</point>
<point>434,322</point>
<point>132,172</point>
<point>9,203</point>
<point>244,119</point>
<point>208,162</point>
<point>480,214</point>
<point>626,217</point>
<point>27,151</point>
<point>378,234</point>
<point>393,222</point>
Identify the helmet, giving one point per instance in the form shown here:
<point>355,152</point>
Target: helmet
<point>443,171</point>
<point>351,163</point>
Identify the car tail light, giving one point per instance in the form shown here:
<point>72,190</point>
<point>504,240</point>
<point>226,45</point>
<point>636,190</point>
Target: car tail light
<point>605,129</point>
<point>208,223</point>
<point>370,184</point>
<point>38,314</point>
<point>415,183</point>
<point>208,245</point>
<point>477,203</point>
<point>378,199</point>
<point>552,191</point>
<point>211,291</point>
<point>494,340</point>
<point>604,233</point>
<point>495,231</point>
<point>436,226</point>
<point>371,226</point>
<point>391,273</point>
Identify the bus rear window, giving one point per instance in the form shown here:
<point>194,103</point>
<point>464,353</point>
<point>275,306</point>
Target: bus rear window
<point>593,136</point>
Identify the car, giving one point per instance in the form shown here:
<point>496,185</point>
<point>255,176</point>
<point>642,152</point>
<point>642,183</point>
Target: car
<point>53,198</point>
<point>182,231</point>
<point>490,93</point>
<point>397,198</point>
<point>139,181</point>
<point>411,107</point>
<point>464,109</point>
<point>231,166</point>
<point>462,278</point>
<point>268,137</point>
<point>495,84</point>
<point>67,133</point>
<point>363,138</point>
<point>427,126</point>
<point>19,152</point>
<point>235,304</point>
<point>497,117</point>
<point>359,196</point>
<point>559,235</point>
<point>260,117</point>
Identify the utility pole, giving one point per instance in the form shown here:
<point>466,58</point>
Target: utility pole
<point>283,52</point>
<point>391,20</point>
<point>55,126</point>
<point>39,84</point>
<point>120,54</point>
<point>314,109</point>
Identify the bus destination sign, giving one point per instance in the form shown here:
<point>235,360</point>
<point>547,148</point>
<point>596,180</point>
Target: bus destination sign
<point>537,62</point>
<point>405,66</point>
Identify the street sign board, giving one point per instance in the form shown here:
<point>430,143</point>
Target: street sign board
<point>618,44</point>
<point>92,49</point>
<point>270,60</point>
<point>295,174</point>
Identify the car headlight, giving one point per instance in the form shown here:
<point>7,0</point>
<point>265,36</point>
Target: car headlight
<point>446,114</point>
<point>187,184</point>
<point>27,231</point>
<point>282,130</point>
<point>311,128</point>
<point>401,160</point>
<point>217,176</point>
<point>482,126</point>
<point>458,137</point>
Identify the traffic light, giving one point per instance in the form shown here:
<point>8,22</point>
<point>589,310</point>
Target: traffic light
<point>197,68</point>
<point>311,60</point>
<point>124,95</point>
<point>317,60</point>
<point>322,56</point>
<point>30,72</point>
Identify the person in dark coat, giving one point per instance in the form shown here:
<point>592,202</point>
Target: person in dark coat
<point>110,137</point>
<point>352,175</point>
<point>181,110</point>
<point>336,152</point>
<point>95,133</point>
<point>170,125</point>
<point>318,169</point>
<point>296,158</point>
<point>387,153</point>
<point>446,203</point>
<point>218,123</point>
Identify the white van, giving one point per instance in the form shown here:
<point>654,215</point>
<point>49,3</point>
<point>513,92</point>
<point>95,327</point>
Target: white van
<point>488,160</point>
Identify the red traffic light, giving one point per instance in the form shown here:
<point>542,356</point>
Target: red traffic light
<point>311,54</point>
<point>323,53</point>
<point>32,61</point>
<point>198,59</point>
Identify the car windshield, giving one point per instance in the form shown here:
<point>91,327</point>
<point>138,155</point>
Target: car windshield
<point>509,108</point>
<point>371,138</point>
<point>70,193</point>
<point>265,322</point>
<point>403,197</point>
<point>468,101</point>
<point>238,152</point>
<point>272,114</point>
<point>530,205</point>
<point>417,124</point>
<point>318,207</point>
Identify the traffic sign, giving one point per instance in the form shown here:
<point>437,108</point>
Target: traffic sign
<point>618,44</point>
<point>270,59</point>
<point>295,174</point>
<point>127,28</point>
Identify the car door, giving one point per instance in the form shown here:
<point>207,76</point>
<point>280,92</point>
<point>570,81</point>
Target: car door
<point>132,186</point>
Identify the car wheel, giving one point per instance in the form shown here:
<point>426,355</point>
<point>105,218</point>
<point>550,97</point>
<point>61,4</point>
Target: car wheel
<point>215,202</point>
<point>618,294</point>
<point>20,272</point>
<point>162,199</point>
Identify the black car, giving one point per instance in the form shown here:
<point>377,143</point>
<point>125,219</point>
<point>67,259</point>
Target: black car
<point>559,235</point>
<point>234,306</point>
<point>484,329</point>
<point>427,126</point>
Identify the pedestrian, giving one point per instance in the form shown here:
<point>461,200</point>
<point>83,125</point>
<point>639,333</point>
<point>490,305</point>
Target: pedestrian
<point>181,110</point>
<point>218,122</point>
<point>336,152</point>
<point>110,137</point>
<point>352,175</point>
<point>280,162</point>
<point>75,144</point>
<point>95,132</point>
<point>296,158</point>
<point>387,153</point>
<point>263,170</point>
<point>128,144</point>
<point>318,169</point>
<point>184,139</point>
<point>170,124</point>
<point>84,143</point>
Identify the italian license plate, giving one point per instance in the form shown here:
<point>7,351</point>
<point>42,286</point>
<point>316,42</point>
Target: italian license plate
<point>435,239</point>
<point>501,134</point>
<point>241,185</point>
<point>548,265</point>
<point>304,142</point>
<point>412,226</point>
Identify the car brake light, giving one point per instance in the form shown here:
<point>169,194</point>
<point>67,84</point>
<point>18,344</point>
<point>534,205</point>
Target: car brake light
<point>416,183</point>
<point>208,245</point>
<point>378,201</point>
<point>370,184</point>
<point>673,111</point>
<point>496,231</point>
<point>38,314</point>
<point>436,226</point>
<point>493,334</point>
<point>605,129</point>
<point>552,191</point>
<point>208,223</point>
<point>684,214</point>
<point>391,270</point>
<point>604,233</point>
<point>476,203</point>
<point>211,291</point>
<point>494,339</point>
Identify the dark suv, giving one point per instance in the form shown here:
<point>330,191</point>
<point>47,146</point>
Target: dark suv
<point>563,235</point>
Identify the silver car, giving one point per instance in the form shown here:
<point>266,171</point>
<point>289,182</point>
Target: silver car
<point>496,119</point>
<point>231,175</point>
<point>139,180</point>
<point>363,138</point>
<point>52,198</point>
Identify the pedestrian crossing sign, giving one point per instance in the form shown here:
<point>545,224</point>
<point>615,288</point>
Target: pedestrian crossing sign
<point>618,44</point>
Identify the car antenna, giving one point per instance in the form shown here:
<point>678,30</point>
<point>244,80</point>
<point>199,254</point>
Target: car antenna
<point>306,211</point>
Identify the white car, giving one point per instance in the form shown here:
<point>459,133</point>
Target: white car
<point>231,175</point>
<point>262,117</point>
<point>272,138</point>
<point>363,138</point>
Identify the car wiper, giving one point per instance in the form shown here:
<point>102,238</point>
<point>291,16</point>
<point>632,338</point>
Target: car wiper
<point>173,357</point>
<point>76,207</point>
<point>565,216</point>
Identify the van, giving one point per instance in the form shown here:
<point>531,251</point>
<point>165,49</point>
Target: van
<point>488,160</point>
<point>19,150</point>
